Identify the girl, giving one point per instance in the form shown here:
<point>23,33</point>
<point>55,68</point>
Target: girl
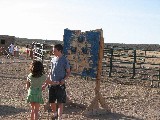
<point>34,86</point>
<point>27,50</point>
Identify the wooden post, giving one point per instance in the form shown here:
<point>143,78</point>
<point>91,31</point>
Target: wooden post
<point>93,107</point>
<point>134,67</point>
<point>159,73</point>
<point>111,64</point>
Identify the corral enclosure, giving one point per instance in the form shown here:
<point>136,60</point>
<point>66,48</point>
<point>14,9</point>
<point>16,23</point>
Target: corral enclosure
<point>131,63</point>
<point>124,60</point>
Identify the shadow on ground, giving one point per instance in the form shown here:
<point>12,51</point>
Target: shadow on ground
<point>112,116</point>
<point>12,77</point>
<point>75,108</point>
<point>10,110</point>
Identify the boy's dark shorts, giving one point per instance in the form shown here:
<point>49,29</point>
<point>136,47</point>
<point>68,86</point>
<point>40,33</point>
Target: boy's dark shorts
<point>57,94</point>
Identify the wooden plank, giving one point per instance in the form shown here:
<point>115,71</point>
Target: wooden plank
<point>98,97</point>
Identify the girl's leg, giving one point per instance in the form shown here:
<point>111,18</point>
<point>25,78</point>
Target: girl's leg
<point>37,105</point>
<point>32,110</point>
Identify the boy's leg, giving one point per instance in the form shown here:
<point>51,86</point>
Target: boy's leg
<point>61,99</point>
<point>53,107</point>
<point>52,99</point>
<point>60,109</point>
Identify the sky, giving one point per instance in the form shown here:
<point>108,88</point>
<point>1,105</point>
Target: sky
<point>122,21</point>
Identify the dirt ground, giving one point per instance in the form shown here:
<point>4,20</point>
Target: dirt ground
<point>127,99</point>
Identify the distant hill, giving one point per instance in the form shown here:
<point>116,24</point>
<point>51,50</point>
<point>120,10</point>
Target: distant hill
<point>26,41</point>
<point>152,47</point>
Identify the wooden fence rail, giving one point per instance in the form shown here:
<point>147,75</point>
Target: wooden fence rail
<point>132,63</point>
<point>43,53</point>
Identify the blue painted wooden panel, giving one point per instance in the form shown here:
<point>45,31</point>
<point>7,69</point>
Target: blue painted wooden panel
<point>82,51</point>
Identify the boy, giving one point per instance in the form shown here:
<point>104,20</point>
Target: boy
<point>60,71</point>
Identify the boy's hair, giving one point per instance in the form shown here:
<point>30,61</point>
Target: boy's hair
<point>59,47</point>
<point>37,69</point>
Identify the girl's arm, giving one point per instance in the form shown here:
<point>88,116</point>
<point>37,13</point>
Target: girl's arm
<point>27,84</point>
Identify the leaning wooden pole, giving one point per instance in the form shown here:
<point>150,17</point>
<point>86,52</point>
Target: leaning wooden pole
<point>94,106</point>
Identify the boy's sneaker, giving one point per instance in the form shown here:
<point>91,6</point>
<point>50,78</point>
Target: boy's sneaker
<point>59,118</point>
<point>54,117</point>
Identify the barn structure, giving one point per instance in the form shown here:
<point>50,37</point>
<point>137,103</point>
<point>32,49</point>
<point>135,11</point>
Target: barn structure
<point>6,40</point>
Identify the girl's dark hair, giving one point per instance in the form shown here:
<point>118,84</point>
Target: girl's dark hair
<point>37,69</point>
<point>27,46</point>
<point>59,47</point>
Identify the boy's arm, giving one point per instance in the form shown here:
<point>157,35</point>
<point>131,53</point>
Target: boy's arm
<point>47,82</point>
<point>68,72</point>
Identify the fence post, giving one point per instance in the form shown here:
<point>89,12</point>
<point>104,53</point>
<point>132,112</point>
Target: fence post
<point>145,55</point>
<point>111,57</point>
<point>134,62</point>
<point>42,54</point>
<point>159,76</point>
